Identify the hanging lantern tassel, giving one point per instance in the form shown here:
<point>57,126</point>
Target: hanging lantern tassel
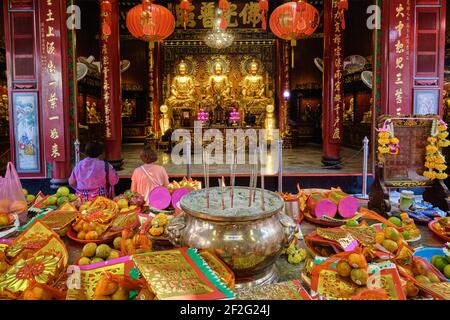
<point>224,5</point>
<point>343,6</point>
<point>106,9</point>
<point>293,45</point>
<point>146,18</point>
<point>263,8</point>
<point>185,6</point>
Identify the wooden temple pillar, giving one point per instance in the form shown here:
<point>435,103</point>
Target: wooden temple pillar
<point>111,84</point>
<point>156,82</point>
<point>333,86</point>
<point>282,81</point>
<point>413,52</point>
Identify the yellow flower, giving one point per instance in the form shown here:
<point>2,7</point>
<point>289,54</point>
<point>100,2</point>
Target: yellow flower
<point>440,167</point>
<point>440,159</point>
<point>441,175</point>
<point>431,139</point>
<point>443,143</point>
<point>383,141</point>
<point>430,175</point>
<point>430,165</point>
<point>443,135</point>
<point>431,149</point>
<point>383,135</point>
<point>383,149</point>
<point>394,140</point>
<point>442,127</point>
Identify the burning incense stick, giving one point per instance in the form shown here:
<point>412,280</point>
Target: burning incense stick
<point>263,205</point>
<point>255,174</point>
<point>206,175</point>
<point>222,184</point>
<point>250,188</point>
<point>233,177</point>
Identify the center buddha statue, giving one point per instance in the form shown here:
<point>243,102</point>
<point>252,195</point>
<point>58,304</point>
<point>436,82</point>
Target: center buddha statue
<point>253,98</point>
<point>181,91</point>
<point>218,90</point>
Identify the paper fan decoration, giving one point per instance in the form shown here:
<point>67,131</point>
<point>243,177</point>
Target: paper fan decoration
<point>319,64</point>
<point>354,63</point>
<point>367,77</point>
<point>82,70</point>
<point>124,65</point>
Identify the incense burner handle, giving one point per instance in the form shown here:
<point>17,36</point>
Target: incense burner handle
<point>174,230</point>
<point>289,228</point>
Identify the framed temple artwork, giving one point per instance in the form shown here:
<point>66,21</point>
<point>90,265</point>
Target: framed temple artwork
<point>426,101</point>
<point>26,132</point>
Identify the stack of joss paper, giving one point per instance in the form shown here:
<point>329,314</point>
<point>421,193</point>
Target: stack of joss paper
<point>180,274</point>
<point>33,265</point>
<point>289,290</point>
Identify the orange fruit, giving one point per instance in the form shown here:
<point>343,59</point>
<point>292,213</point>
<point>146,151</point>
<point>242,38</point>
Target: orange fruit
<point>392,233</point>
<point>81,235</point>
<point>379,237</point>
<point>86,227</point>
<point>411,289</point>
<point>357,260</point>
<point>91,235</point>
<point>343,268</point>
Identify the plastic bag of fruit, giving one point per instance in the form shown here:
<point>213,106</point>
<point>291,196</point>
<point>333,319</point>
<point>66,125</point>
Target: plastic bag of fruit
<point>423,275</point>
<point>12,199</point>
<point>133,242</point>
<point>348,275</point>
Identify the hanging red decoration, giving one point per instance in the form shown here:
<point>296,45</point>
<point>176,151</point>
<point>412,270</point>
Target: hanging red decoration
<point>224,5</point>
<point>263,9</point>
<point>342,7</point>
<point>185,6</point>
<point>106,10</point>
<point>294,20</point>
<point>150,22</point>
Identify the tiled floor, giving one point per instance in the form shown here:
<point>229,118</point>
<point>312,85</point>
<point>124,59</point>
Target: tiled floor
<point>302,160</point>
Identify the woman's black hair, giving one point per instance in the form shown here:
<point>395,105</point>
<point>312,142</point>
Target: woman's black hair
<point>148,154</point>
<point>93,149</point>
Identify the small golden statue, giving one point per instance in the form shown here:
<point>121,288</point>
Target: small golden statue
<point>127,109</point>
<point>254,99</point>
<point>218,90</point>
<point>4,108</point>
<point>367,116</point>
<point>92,114</point>
<point>165,123</point>
<point>349,113</point>
<point>182,89</point>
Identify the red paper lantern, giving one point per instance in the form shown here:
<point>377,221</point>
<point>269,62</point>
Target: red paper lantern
<point>106,10</point>
<point>294,20</point>
<point>263,9</point>
<point>185,6</point>
<point>150,22</point>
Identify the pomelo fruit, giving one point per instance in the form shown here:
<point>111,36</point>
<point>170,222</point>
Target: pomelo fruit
<point>433,278</point>
<point>447,271</point>
<point>50,201</point>
<point>113,255</point>
<point>84,261</point>
<point>103,251</point>
<point>440,263</point>
<point>359,276</point>
<point>89,250</point>
<point>343,268</point>
<point>395,221</point>
<point>357,260</point>
<point>122,203</point>
<point>62,192</point>
<point>390,245</point>
<point>72,197</point>
<point>97,260</point>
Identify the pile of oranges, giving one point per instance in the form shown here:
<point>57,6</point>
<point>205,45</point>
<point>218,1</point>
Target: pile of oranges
<point>355,268</point>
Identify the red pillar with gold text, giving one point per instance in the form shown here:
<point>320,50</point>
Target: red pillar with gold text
<point>55,89</point>
<point>333,89</point>
<point>111,86</point>
<point>157,85</point>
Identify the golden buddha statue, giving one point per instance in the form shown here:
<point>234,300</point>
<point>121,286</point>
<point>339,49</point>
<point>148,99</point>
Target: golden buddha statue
<point>349,113</point>
<point>165,123</point>
<point>92,115</point>
<point>218,90</point>
<point>127,109</point>
<point>254,98</point>
<point>182,89</point>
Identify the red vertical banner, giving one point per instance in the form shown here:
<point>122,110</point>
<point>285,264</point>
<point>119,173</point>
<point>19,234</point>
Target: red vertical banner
<point>399,48</point>
<point>52,89</point>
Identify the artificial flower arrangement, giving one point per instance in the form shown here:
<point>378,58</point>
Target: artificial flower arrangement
<point>387,142</point>
<point>434,159</point>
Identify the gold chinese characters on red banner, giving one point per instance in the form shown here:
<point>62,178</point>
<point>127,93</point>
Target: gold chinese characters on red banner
<point>52,89</point>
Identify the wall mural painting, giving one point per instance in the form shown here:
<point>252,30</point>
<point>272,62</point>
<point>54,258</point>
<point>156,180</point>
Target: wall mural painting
<point>26,129</point>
